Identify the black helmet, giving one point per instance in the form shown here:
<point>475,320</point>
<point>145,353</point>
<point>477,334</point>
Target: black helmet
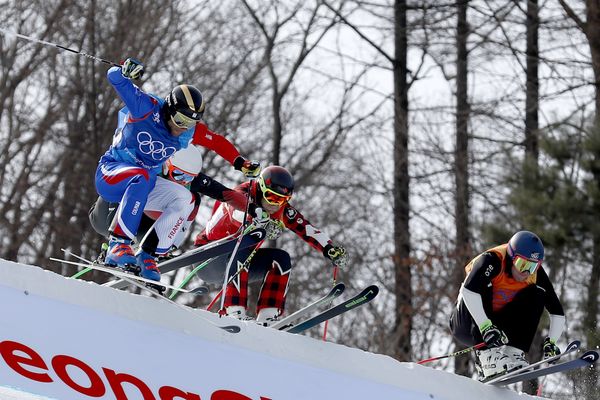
<point>276,184</point>
<point>185,105</point>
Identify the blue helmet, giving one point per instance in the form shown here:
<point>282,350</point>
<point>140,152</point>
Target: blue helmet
<point>527,245</point>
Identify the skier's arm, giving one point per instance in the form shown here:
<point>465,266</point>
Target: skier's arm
<point>138,102</point>
<point>223,147</point>
<point>213,141</point>
<point>296,222</point>
<point>553,305</point>
<point>485,268</point>
<point>206,185</point>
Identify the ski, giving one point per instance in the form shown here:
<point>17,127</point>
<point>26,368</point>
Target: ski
<point>360,299</point>
<point>120,274</point>
<point>205,253</point>
<point>587,359</point>
<point>287,321</point>
<point>228,328</point>
<point>149,286</point>
<point>571,347</point>
<point>211,250</point>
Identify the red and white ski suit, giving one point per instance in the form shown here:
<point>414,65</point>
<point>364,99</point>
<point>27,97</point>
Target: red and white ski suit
<point>227,218</point>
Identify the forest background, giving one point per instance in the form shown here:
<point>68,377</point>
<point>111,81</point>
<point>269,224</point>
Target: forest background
<point>420,133</point>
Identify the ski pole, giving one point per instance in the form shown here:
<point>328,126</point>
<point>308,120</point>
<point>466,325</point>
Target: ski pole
<point>237,244</point>
<point>335,270</point>
<point>58,46</point>
<point>456,353</point>
<point>189,277</point>
<point>239,270</point>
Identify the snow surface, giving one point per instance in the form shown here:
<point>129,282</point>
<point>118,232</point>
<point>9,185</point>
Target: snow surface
<point>7,393</point>
<point>318,362</point>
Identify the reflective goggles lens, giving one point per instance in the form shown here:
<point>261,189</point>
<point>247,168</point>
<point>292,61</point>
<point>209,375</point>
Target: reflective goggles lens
<point>272,197</point>
<point>275,199</point>
<point>180,176</point>
<point>183,121</point>
<point>524,265</point>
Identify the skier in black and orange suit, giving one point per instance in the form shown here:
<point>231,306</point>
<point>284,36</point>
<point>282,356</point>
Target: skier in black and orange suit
<point>501,302</point>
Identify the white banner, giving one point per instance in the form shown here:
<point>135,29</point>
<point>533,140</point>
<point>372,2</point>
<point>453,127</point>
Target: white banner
<point>75,340</point>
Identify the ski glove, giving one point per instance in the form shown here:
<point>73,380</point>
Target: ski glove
<point>250,169</point>
<point>273,227</point>
<point>337,255</point>
<point>549,348</point>
<point>492,336</point>
<point>132,69</point>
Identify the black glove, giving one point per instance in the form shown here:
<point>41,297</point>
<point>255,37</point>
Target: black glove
<point>250,169</point>
<point>492,336</point>
<point>132,68</point>
<point>549,348</point>
<point>337,255</point>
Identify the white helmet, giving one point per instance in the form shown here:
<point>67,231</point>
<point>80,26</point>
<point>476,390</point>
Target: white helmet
<point>184,165</point>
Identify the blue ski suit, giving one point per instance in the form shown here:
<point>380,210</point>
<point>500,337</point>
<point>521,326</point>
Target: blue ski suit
<point>142,141</point>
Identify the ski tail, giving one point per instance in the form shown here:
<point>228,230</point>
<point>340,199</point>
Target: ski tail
<point>360,299</point>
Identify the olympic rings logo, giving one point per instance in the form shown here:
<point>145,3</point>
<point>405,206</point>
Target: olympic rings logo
<point>155,148</point>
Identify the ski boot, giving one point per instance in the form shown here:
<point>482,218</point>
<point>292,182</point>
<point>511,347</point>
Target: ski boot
<point>487,363</point>
<point>147,264</point>
<point>238,312</point>
<point>267,316</point>
<point>499,361</point>
<point>119,253</point>
<point>512,358</point>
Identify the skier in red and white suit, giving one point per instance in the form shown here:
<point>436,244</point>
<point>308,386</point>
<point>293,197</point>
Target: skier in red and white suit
<point>269,207</point>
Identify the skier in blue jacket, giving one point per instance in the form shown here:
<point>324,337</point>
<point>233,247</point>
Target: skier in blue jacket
<point>150,130</point>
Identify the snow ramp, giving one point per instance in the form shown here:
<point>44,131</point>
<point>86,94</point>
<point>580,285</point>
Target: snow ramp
<point>69,339</point>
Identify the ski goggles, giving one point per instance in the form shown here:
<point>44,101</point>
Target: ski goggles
<point>523,264</point>
<point>180,176</point>
<point>272,197</point>
<point>183,121</point>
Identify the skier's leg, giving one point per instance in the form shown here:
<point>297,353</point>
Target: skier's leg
<point>130,186</point>
<point>519,319</point>
<point>236,293</point>
<point>463,327</point>
<point>272,296</point>
<point>101,215</point>
<point>174,204</point>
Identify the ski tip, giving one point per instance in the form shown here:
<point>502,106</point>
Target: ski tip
<point>574,345</point>
<point>231,328</point>
<point>374,289</point>
<point>590,356</point>
<point>199,290</point>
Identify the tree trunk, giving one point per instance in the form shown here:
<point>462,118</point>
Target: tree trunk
<point>402,263</point>
<point>532,137</point>
<point>462,248</point>
<point>591,306</point>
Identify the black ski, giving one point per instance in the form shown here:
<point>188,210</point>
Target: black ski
<point>211,250</point>
<point>587,359</point>
<point>290,319</point>
<point>360,299</point>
